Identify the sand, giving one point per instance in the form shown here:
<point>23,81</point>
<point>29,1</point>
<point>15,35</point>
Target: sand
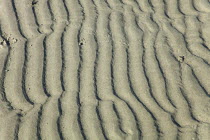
<point>104,69</point>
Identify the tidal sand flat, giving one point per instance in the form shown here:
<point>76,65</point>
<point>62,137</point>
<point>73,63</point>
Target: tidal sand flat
<point>104,69</point>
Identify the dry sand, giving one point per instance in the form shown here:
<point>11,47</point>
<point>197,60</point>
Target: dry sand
<point>104,69</point>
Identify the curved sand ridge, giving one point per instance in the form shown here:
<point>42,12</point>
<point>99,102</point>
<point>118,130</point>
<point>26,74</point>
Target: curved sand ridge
<point>104,69</point>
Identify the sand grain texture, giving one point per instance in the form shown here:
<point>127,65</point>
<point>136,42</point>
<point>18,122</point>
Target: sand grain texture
<point>104,69</point>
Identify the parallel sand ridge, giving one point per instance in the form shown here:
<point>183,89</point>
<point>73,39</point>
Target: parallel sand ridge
<point>105,69</point>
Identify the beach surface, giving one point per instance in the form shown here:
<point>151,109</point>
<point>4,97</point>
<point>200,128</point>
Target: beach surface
<point>104,69</point>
